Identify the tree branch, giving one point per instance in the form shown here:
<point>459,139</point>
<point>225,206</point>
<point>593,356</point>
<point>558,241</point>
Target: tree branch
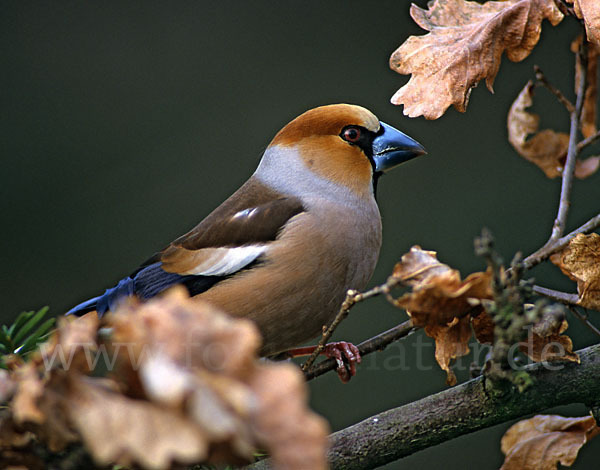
<point>586,322</point>
<point>460,410</point>
<point>544,252</point>
<point>588,141</point>
<point>541,78</point>
<point>562,297</point>
<point>567,177</point>
<point>376,343</point>
<point>570,300</point>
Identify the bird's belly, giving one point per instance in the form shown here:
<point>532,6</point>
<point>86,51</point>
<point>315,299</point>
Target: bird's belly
<point>292,298</point>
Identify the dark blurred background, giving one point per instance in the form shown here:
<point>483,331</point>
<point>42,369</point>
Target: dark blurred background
<point>125,123</point>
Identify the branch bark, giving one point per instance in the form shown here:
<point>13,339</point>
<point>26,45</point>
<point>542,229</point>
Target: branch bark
<point>567,179</point>
<point>562,297</point>
<point>376,343</point>
<point>544,253</point>
<point>460,410</point>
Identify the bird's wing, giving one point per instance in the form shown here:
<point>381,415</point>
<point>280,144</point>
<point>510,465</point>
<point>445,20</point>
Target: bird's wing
<point>231,237</point>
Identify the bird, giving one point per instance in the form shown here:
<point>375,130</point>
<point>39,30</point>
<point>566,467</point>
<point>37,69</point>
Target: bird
<point>284,249</point>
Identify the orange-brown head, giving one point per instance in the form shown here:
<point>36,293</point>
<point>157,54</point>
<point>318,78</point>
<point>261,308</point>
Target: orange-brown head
<point>344,144</point>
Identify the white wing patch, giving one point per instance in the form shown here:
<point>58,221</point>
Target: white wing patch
<point>245,213</point>
<point>224,261</point>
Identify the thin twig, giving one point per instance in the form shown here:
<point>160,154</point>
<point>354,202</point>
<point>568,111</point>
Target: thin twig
<point>562,297</point>
<point>570,300</point>
<point>541,78</point>
<point>567,174</point>
<point>588,141</point>
<point>584,320</point>
<point>376,343</point>
<point>352,298</point>
<point>544,252</point>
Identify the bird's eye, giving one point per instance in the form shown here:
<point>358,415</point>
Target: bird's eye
<point>351,134</point>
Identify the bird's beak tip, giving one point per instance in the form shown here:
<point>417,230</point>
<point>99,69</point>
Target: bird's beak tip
<point>392,148</point>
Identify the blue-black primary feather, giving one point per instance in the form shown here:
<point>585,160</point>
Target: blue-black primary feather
<point>144,283</point>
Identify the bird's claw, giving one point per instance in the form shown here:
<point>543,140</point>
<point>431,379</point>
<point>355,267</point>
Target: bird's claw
<point>346,356</point>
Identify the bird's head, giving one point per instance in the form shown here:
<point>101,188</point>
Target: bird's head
<point>345,144</point>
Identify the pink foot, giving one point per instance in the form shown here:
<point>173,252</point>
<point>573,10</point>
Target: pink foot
<point>346,356</point>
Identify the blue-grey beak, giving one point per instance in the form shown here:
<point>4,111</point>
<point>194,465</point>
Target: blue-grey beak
<point>392,147</point>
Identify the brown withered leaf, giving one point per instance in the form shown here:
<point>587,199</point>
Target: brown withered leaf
<point>207,338</point>
<point>39,400</point>
<point>580,260</point>
<point>589,11</point>
<point>587,167</point>
<point>465,44</point>
<point>438,294</point>
<point>590,100</point>
<point>483,327</point>
<point>203,365</point>
<point>56,431</point>
<point>29,388</point>
<point>295,437</point>
<point>38,403</point>
<point>546,149</point>
<point>417,265</point>
<point>15,446</point>
<point>184,385</point>
<point>546,343</point>
<point>116,428</point>
<point>451,341</point>
<point>441,302</point>
<point>15,451</point>
<point>541,442</point>
<point>7,386</point>
<point>11,436</point>
<point>71,346</point>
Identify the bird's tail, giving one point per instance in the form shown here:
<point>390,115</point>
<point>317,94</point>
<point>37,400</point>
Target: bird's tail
<point>106,301</point>
<point>84,307</point>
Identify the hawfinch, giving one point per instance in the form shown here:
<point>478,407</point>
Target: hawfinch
<point>285,248</point>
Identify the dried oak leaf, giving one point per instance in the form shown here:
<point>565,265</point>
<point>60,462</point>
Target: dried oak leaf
<point>295,437</point>
<point>441,302</point>
<point>66,348</point>
<point>206,338</point>
<point>438,294</point>
<point>546,343</point>
<point>465,45</point>
<point>15,445</point>
<point>202,365</point>
<point>547,149</point>
<point>11,435</point>
<point>39,399</point>
<point>580,260</point>
<point>589,11</point>
<point>117,428</point>
<point>451,341</point>
<point>29,388</point>
<point>184,385</point>
<point>483,327</point>
<point>7,386</point>
<point>15,450</point>
<point>541,442</point>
